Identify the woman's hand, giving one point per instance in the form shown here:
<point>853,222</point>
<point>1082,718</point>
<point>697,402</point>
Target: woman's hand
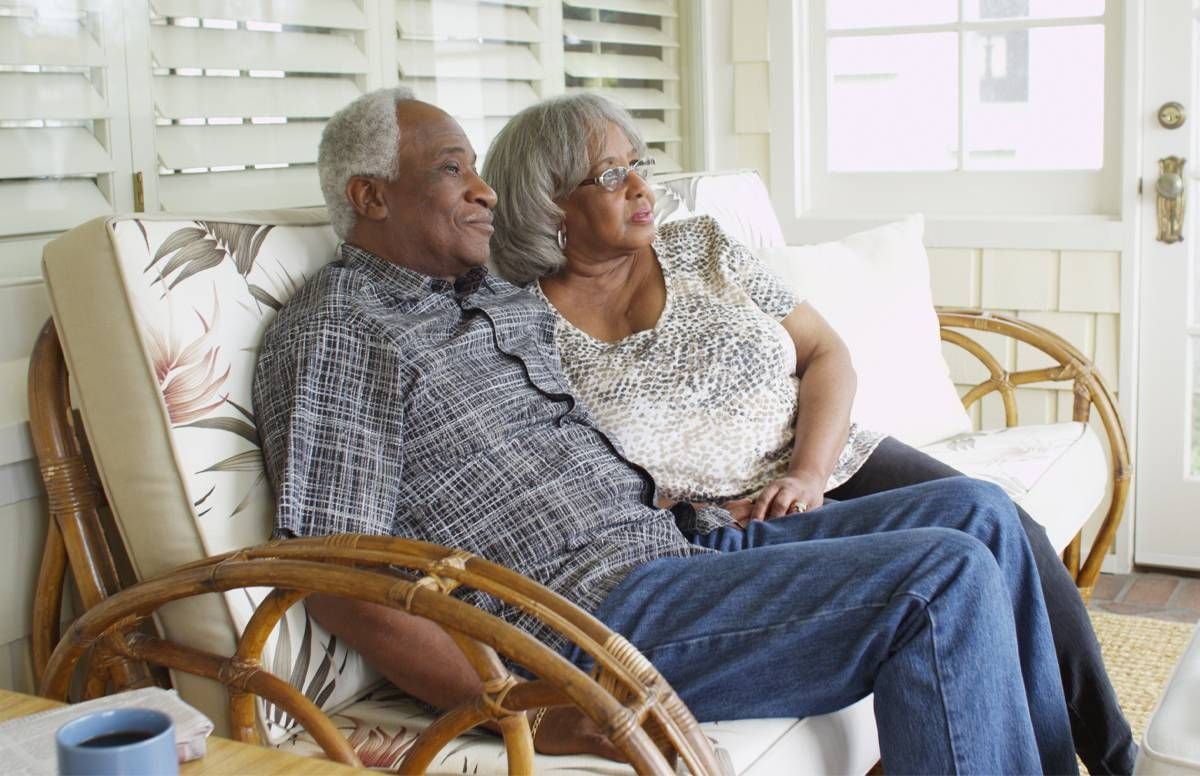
<point>799,492</point>
<point>567,730</point>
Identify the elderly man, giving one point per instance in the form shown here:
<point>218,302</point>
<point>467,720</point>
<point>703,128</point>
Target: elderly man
<point>406,391</point>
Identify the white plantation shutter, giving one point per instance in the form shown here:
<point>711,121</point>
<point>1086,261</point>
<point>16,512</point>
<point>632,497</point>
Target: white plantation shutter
<point>222,102</point>
<point>478,61</point>
<point>56,124</point>
<point>628,50</point>
<point>241,91</point>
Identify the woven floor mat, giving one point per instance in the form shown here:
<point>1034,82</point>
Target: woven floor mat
<point>1140,654</point>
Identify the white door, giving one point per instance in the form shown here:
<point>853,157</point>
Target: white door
<point>1168,446</point>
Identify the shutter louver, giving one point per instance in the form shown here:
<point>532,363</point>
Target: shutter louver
<point>478,61</point>
<point>628,51</point>
<point>56,133</point>
<point>242,89</point>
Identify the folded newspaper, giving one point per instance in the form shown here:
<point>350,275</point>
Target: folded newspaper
<point>27,743</point>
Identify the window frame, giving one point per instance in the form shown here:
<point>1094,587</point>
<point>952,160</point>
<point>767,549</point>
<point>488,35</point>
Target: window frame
<point>806,195</point>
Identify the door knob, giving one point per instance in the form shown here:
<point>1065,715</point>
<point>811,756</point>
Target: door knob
<point>1172,196</point>
<point>1171,115</point>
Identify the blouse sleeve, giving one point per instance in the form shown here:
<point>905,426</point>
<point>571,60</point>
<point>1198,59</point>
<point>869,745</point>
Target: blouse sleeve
<point>741,267</point>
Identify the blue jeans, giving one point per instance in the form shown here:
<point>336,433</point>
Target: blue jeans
<point>927,596</point>
<point>1102,735</point>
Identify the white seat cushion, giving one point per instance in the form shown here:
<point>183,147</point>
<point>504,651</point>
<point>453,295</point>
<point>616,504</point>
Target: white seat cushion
<point>1171,744</point>
<point>383,725</point>
<point>1056,472</point>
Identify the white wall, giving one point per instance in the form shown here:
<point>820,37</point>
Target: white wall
<point>23,309</point>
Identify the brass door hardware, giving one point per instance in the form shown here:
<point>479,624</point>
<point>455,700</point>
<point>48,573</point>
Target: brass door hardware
<point>139,193</point>
<point>1171,115</point>
<point>1171,188</point>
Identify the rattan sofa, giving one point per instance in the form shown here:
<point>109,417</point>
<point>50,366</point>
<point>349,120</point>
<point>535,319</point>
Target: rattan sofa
<point>160,513</point>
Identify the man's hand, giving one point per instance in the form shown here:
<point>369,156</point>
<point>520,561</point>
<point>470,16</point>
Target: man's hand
<point>799,492</point>
<point>739,510</point>
<point>567,730</point>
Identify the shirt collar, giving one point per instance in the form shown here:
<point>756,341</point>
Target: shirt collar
<point>409,282</point>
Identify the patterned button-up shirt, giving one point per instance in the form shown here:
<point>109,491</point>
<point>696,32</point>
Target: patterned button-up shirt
<point>390,402</point>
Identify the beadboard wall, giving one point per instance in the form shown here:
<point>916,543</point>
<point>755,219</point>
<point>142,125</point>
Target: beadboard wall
<point>23,309</point>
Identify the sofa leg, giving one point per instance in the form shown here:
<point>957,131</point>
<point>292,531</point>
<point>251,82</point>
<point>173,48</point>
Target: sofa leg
<point>1071,555</point>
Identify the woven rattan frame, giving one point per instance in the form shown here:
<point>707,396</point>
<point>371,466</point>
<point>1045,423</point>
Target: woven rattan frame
<point>624,695</point>
<point>1090,391</point>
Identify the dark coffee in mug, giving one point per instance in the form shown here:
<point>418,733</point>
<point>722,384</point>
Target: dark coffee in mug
<point>120,738</point>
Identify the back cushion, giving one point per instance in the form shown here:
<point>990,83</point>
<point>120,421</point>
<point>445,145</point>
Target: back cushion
<point>738,200</point>
<point>160,321</point>
<point>873,288</point>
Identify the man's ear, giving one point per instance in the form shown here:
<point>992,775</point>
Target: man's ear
<point>366,197</point>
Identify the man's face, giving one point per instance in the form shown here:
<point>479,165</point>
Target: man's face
<point>439,210</point>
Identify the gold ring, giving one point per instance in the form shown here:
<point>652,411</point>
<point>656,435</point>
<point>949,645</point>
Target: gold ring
<point>797,506</point>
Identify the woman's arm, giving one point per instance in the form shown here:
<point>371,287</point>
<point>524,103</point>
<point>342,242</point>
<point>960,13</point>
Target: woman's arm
<point>826,393</point>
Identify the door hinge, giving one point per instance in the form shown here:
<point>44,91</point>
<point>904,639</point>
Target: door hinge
<point>1139,187</point>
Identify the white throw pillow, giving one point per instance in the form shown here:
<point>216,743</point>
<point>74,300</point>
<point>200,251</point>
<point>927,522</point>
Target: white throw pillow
<point>873,288</point>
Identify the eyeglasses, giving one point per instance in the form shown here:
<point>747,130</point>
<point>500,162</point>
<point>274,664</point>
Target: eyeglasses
<point>614,177</point>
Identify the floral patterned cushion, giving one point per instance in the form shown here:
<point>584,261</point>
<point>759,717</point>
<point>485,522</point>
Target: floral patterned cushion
<point>382,726</point>
<point>1057,472</point>
<point>203,298</point>
<point>161,332</point>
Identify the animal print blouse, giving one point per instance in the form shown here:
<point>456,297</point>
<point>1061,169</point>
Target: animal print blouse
<point>705,400</point>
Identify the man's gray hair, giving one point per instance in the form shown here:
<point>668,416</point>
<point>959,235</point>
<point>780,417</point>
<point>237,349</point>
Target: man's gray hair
<point>362,138</point>
<point>540,156</point>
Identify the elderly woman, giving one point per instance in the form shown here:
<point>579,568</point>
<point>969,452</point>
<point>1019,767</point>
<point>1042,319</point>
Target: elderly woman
<point>709,372</point>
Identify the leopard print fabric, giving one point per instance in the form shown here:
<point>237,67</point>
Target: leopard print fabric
<point>705,400</point>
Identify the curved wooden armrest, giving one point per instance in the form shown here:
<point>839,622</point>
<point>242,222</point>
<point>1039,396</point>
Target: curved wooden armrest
<point>1089,389</point>
<point>625,696</point>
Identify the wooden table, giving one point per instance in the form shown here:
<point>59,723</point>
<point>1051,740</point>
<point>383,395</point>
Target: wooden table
<point>223,757</point>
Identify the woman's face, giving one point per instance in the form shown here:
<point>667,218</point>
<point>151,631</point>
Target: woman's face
<point>599,223</point>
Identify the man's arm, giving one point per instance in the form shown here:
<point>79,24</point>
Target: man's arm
<point>420,658</point>
<point>415,654</point>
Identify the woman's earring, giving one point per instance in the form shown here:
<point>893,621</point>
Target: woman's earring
<point>562,238</point>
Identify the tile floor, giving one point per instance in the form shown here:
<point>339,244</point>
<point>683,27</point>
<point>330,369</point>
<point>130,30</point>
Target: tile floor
<point>1149,594</point>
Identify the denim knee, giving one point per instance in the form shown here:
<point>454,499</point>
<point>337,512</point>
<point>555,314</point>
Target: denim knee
<point>986,494</point>
<point>954,544</point>
<point>967,559</point>
<point>987,501</point>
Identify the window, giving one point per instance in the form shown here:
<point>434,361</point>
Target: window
<point>955,107</point>
<point>481,62</point>
<point>628,50</point>
<point>61,131</point>
<point>217,105</point>
<point>240,94</point>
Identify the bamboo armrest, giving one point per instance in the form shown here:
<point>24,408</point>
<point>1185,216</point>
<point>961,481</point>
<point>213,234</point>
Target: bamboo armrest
<point>1089,389</point>
<point>625,696</point>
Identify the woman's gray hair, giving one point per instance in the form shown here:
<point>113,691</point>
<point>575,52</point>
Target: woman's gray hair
<point>362,138</point>
<point>539,157</point>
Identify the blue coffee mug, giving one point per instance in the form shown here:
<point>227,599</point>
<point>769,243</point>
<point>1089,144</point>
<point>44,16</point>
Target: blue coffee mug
<point>137,742</point>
